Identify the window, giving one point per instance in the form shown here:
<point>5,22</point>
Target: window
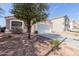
<point>16,24</point>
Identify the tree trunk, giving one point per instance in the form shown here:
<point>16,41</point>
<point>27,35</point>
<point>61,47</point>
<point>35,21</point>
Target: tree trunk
<point>29,30</point>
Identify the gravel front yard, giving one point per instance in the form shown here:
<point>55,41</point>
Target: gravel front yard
<point>19,45</point>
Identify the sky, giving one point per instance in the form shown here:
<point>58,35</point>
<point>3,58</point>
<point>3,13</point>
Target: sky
<point>7,8</point>
<point>71,10</point>
<point>55,10</point>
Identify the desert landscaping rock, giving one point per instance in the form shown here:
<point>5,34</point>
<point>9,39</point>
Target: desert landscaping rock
<point>19,45</point>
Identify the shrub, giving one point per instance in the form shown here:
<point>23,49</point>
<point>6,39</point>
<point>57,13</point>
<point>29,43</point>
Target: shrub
<point>3,29</point>
<point>36,32</point>
<point>17,31</point>
<point>55,42</point>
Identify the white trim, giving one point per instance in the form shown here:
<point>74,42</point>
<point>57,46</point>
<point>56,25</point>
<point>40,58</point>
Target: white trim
<point>19,21</point>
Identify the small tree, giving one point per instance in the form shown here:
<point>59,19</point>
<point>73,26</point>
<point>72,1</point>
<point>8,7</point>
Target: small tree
<point>30,13</point>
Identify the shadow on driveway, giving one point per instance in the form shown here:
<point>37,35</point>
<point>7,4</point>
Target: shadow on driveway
<point>51,36</point>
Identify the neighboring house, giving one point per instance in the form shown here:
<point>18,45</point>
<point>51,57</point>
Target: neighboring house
<point>75,26</point>
<point>47,26</point>
<point>71,25</point>
<point>60,24</point>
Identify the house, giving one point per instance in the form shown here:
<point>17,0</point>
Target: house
<point>48,26</point>
<point>12,23</point>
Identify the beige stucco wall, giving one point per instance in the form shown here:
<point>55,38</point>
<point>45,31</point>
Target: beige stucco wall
<point>7,19</point>
<point>58,24</point>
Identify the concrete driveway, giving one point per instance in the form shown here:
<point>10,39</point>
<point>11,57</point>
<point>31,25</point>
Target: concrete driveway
<point>52,36</point>
<point>70,40</point>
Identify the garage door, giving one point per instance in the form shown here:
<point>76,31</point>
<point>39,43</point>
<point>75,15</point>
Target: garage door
<point>43,28</point>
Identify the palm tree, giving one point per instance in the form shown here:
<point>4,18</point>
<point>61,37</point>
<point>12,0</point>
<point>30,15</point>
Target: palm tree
<point>1,12</point>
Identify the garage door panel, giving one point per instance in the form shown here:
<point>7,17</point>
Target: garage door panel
<point>43,28</point>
